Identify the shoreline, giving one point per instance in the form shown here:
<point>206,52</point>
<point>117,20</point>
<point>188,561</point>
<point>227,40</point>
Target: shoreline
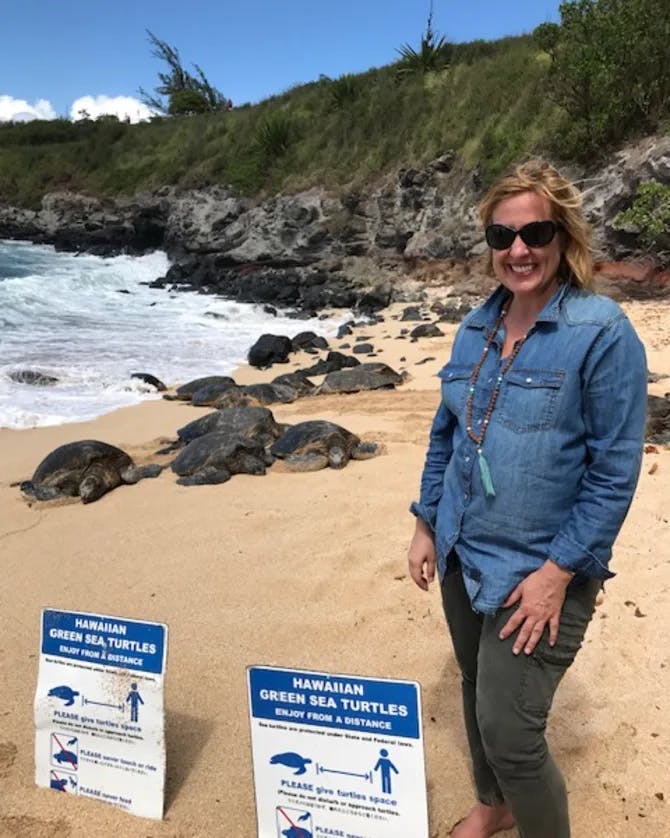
<point>309,571</point>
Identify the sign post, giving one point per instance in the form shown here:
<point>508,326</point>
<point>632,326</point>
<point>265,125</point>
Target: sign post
<point>336,755</point>
<point>99,717</point>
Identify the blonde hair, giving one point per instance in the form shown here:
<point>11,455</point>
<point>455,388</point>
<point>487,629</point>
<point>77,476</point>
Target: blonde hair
<point>576,266</point>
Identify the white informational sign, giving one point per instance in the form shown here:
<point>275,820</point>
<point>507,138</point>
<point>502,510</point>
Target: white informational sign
<point>336,756</point>
<point>99,720</point>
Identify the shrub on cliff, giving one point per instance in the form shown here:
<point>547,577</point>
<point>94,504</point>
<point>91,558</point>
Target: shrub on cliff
<point>609,71</point>
<point>649,215</point>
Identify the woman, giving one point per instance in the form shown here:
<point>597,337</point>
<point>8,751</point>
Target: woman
<point>533,459</point>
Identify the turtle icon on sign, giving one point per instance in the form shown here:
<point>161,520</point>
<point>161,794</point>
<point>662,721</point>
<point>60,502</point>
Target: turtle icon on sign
<point>293,823</point>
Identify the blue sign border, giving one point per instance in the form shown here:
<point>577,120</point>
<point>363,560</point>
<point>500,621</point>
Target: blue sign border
<point>346,702</point>
<point>110,641</point>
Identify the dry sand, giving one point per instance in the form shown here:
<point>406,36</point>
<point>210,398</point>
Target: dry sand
<point>309,571</point>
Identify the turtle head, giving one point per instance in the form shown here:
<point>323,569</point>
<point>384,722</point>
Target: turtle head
<point>337,457</point>
<point>91,488</point>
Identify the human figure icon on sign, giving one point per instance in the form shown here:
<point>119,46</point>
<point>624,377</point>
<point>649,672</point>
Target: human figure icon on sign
<point>385,766</point>
<point>135,700</point>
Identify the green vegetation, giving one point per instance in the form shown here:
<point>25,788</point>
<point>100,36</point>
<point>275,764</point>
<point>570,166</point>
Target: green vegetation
<point>649,214</point>
<point>490,102</point>
<point>609,71</point>
<point>184,93</point>
<point>432,55</point>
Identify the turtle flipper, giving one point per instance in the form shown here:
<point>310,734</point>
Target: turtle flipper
<point>304,462</point>
<point>41,492</point>
<point>132,474</point>
<point>205,477</point>
<point>365,450</point>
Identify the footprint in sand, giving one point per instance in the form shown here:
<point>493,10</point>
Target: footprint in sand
<point>8,753</point>
<point>27,827</point>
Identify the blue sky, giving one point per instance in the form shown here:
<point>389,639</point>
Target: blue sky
<point>54,53</point>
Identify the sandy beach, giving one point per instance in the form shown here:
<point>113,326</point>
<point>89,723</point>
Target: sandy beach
<point>309,571</point>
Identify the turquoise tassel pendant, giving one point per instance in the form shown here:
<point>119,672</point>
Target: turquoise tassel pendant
<point>489,491</point>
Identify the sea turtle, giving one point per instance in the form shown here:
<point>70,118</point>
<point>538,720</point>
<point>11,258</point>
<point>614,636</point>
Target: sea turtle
<point>316,444</point>
<point>202,391</point>
<point>65,693</point>
<point>254,422</point>
<point>295,831</point>
<point>296,381</point>
<point>68,757</point>
<point>215,457</point>
<point>291,760</point>
<point>253,394</point>
<point>58,783</point>
<point>371,376</point>
<point>87,469</point>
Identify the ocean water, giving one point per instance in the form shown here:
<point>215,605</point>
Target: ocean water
<point>90,322</point>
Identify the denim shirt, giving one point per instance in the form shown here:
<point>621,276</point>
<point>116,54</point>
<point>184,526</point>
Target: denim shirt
<point>563,445</point>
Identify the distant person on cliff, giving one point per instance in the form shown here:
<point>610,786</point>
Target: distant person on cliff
<point>533,459</point>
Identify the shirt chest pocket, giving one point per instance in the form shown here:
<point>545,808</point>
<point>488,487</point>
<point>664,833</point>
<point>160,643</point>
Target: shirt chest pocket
<point>455,380</point>
<point>529,399</point>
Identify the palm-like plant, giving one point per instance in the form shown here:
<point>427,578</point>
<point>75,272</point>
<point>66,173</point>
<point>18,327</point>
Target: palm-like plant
<point>343,90</point>
<point>430,56</point>
<point>274,135</point>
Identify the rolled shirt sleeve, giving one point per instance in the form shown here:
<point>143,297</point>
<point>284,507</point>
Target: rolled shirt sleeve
<point>615,405</point>
<point>440,448</point>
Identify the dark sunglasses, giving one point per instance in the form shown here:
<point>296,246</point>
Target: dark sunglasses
<point>535,234</point>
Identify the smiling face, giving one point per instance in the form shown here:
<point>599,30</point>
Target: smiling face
<point>529,273</point>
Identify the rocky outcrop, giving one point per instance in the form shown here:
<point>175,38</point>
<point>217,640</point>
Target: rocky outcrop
<point>317,249</point>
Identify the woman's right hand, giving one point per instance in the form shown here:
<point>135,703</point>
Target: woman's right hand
<point>421,555</point>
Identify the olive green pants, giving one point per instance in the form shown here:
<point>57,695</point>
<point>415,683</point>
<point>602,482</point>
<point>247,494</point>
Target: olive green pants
<point>506,699</point>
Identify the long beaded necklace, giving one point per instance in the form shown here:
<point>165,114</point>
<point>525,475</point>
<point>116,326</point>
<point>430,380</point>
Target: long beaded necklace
<point>478,439</point>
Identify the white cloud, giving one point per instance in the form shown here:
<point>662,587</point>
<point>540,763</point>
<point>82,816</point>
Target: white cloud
<point>18,110</point>
<point>125,107</point>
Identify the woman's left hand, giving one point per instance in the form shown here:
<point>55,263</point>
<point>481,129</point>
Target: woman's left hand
<point>541,596</point>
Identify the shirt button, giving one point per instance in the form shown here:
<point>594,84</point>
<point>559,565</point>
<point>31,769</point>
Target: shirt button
<point>528,380</point>
<point>466,496</point>
<point>467,459</point>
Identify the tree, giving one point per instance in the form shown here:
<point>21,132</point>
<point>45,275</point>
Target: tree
<point>609,69</point>
<point>184,92</point>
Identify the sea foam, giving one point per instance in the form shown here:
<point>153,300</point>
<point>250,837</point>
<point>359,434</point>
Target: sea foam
<point>90,322</point>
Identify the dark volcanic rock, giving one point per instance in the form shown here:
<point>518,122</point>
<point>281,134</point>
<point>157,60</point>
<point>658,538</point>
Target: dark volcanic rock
<point>308,340</point>
<point>658,420</point>
<point>426,330</point>
<point>332,362</point>
<point>270,349</point>
<point>412,313</point>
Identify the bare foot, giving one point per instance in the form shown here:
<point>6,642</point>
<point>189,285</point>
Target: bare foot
<point>484,821</point>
